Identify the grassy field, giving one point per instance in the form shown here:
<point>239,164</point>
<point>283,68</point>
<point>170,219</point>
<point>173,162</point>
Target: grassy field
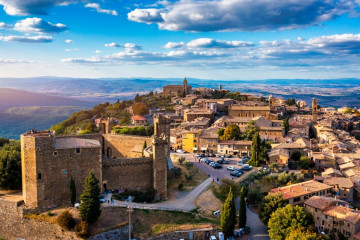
<point>188,183</point>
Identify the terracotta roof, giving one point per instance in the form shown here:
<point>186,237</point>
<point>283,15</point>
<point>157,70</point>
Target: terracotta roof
<point>320,202</point>
<point>226,142</point>
<point>138,118</point>
<point>341,181</point>
<point>289,146</point>
<point>252,108</point>
<point>343,213</point>
<point>69,143</point>
<point>300,189</point>
<point>329,171</point>
<point>346,166</point>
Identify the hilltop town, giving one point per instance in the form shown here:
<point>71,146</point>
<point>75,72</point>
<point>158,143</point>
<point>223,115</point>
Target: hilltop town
<point>159,143</point>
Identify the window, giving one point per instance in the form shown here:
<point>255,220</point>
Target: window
<point>55,153</point>
<point>229,146</point>
<point>322,222</point>
<point>39,175</point>
<point>315,209</point>
<point>348,224</point>
<point>297,199</point>
<point>325,216</point>
<point>194,140</point>
<point>77,150</point>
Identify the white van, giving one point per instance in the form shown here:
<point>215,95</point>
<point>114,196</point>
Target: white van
<point>221,236</point>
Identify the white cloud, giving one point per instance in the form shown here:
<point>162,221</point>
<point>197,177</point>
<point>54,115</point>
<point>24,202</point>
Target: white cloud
<point>72,49</point>
<point>98,51</point>
<point>171,45</point>
<point>38,25</point>
<point>114,45</point>
<point>69,41</point>
<point>4,25</point>
<point>97,7</point>
<point>26,39</point>
<point>32,7</point>
<point>14,61</point>
<point>241,15</point>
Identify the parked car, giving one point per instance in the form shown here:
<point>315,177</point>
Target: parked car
<point>220,161</point>
<point>227,161</point>
<point>102,199</point>
<point>245,159</point>
<point>211,155</point>
<point>217,213</point>
<point>217,155</point>
<point>202,155</point>
<point>240,163</point>
<point>212,237</point>
<point>231,168</point>
<point>235,174</point>
<point>180,151</point>
<point>228,156</point>
<point>221,236</point>
<point>197,155</point>
<point>217,166</point>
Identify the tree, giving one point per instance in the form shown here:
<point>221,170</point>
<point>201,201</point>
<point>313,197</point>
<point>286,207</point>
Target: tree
<point>250,131</point>
<point>284,177</point>
<point>232,131</point>
<point>3,141</point>
<point>90,204</point>
<point>269,205</point>
<point>140,109</point>
<point>255,149</point>
<point>225,186</point>
<point>303,234</point>
<point>242,210</point>
<point>296,156</point>
<point>228,215</point>
<point>10,166</point>
<point>254,195</point>
<point>283,220</point>
<point>286,126</point>
<point>137,98</point>
<point>304,162</point>
<point>72,191</point>
<point>274,166</point>
<point>220,132</point>
<point>181,160</point>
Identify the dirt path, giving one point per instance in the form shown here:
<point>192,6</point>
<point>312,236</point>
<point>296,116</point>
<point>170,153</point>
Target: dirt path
<point>184,203</point>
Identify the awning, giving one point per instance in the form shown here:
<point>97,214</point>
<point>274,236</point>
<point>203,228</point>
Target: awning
<point>203,148</point>
<point>195,149</point>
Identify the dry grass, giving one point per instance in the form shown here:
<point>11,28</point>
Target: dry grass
<point>208,203</point>
<point>188,185</point>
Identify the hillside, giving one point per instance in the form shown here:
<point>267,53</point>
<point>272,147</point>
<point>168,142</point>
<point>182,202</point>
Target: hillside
<point>45,110</point>
<point>13,125</point>
<point>10,98</point>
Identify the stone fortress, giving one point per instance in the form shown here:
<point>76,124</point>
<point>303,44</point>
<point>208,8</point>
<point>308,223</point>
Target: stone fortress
<point>49,162</point>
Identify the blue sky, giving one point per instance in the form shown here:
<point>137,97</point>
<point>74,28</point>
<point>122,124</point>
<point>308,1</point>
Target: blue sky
<point>217,39</point>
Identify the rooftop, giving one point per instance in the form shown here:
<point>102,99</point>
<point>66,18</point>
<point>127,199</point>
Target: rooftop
<point>300,189</point>
<point>344,213</point>
<point>71,142</point>
<point>321,202</point>
<point>138,118</point>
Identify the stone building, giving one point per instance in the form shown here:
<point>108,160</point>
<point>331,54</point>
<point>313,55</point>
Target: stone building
<point>251,111</point>
<point>332,215</point>
<point>177,89</point>
<point>49,162</point>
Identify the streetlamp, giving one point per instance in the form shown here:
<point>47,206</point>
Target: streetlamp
<point>130,210</point>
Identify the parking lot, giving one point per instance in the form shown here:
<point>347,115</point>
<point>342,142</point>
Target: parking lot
<point>216,174</point>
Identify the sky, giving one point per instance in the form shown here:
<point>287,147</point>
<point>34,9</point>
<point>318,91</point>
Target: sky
<point>208,39</point>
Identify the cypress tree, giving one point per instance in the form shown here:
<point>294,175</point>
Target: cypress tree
<point>242,210</point>
<point>90,204</point>
<point>255,150</point>
<point>144,147</point>
<point>228,215</point>
<point>72,191</point>
<point>286,125</point>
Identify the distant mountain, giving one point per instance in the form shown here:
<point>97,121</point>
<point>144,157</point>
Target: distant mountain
<point>49,111</point>
<point>10,98</point>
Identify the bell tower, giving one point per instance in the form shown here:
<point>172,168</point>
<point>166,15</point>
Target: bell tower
<point>315,110</point>
<point>185,86</point>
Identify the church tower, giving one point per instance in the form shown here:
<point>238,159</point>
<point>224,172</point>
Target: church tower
<point>315,110</point>
<point>185,86</point>
<point>271,101</point>
<point>220,87</point>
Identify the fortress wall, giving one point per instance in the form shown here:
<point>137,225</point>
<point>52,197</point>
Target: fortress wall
<point>136,173</point>
<point>121,145</point>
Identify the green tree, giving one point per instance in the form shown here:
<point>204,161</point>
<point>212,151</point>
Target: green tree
<point>137,98</point>
<point>10,166</point>
<point>225,186</point>
<point>269,205</point>
<point>144,147</point>
<point>232,131</point>
<point>3,141</point>
<point>72,191</point>
<point>303,234</point>
<point>284,178</point>
<point>220,132</point>
<point>296,156</point>
<point>255,149</point>
<point>242,210</point>
<point>250,130</point>
<point>286,126</point>
<point>274,166</point>
<point>181,160</point>
<point>228,215</point>
<point>304,162</point>
<point>255,195</point>
<point>283,220</point>
<point>90,204</point>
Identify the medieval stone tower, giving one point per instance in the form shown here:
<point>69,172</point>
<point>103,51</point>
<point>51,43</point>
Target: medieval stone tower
<point>106,125</point>
<point>161,152</point>
<point>315,110</point>
<point>271,101</point>
<point>185,86</point>
<point>220,87</point>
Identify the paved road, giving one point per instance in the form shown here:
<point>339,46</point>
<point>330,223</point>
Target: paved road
<point>257,230</point>
<point>184,203</point>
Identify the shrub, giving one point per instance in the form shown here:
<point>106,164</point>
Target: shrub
<point>177,172</point>
<point>181,160</point>
<point>66,220</point>
<point>82,229</point>
<point>181,185</point>
<point>189,165</point>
